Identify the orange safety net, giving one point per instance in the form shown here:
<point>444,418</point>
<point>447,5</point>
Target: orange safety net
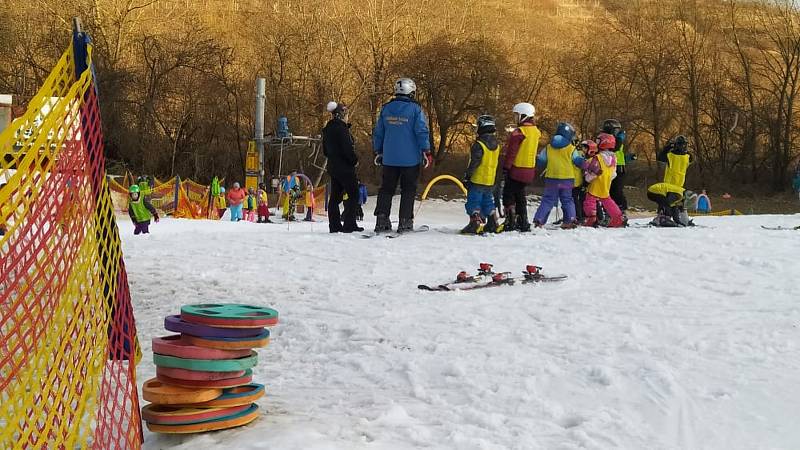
<point>163,196</point>
<point>187,209</point>
<point>193,200</point>
<point>68,344</point>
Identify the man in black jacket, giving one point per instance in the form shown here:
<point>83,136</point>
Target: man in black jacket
<point>339,148</point>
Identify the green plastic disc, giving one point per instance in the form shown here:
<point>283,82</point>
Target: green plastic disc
<point>230,315</point>
<point>207,365</point>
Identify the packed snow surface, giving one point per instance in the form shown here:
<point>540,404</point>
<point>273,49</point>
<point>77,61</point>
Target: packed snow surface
<point>659,339</point>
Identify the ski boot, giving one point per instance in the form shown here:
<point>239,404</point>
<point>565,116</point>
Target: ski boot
<point>590,221</point>
<point>616,222</point>
<point>351,227</point>
<point>678,218</point>
<point>510,224</point>
<point>663,221</point>
<point>522,223</point>
<point>569,225</point>
<point>492,226</point>
<point>382,224</point>
<point>474,226</point>
<point>405,225</point>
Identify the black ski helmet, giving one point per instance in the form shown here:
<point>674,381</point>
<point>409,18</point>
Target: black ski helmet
<point>611,126</point>
<point>486,124</point>
<point>681,144</point>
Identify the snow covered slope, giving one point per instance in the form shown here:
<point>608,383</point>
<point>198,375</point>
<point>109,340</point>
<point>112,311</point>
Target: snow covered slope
<point>660,338</point>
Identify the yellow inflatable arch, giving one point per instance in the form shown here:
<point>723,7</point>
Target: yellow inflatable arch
<point>440,178</point>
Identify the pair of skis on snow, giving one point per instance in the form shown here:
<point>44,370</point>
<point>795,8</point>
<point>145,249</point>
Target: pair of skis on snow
<point>395,234</point>
<point>487,277</point>
<point>780,228</point>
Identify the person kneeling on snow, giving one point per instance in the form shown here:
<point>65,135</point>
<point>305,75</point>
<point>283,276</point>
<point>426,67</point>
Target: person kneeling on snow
<point>140,210</point>
<point>671,208</point>
<point>559,158</point>
<point>480,179</point>
<point>599,172</point>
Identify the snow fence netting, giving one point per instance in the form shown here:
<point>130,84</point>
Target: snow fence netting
<point>67,336</point>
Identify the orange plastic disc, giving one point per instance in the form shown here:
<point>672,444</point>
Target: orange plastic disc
<point>164,394</point>
<point>173,415</point>
<point>226,344</point>
<point>237,396</point>
<point>240,419</point>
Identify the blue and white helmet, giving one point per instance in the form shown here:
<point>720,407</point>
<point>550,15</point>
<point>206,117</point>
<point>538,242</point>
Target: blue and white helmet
<point>405,86</point>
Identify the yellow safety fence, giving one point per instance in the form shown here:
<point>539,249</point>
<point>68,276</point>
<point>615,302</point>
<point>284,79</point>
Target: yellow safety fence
<point>67,335</point>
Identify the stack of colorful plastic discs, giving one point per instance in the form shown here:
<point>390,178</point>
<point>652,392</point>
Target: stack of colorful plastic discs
<point>204,374</point>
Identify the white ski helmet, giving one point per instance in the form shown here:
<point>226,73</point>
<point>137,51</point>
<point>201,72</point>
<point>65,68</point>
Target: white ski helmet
<point>405,86</point>
<point>525,111</point>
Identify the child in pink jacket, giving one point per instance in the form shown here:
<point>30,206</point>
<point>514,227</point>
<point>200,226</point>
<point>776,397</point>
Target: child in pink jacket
<point>598,170</point>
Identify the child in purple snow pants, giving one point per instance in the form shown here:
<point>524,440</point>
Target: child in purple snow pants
<point>554,190</point>
<point>142,228</point>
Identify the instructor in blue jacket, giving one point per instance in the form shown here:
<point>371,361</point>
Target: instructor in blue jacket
<point>402,143</point>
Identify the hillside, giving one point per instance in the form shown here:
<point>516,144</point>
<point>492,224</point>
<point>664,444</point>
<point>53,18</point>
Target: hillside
<point>177,77</point>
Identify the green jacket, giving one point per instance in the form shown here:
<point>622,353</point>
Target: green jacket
<point>141,210</point>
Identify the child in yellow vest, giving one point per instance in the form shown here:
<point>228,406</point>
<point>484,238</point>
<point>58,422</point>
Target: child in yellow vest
<point>140,210</point>
<point>599,171</point>
<point>559,158</point>
<point>480,179</point>
<point>670,199</point>
<point>519,167</point>
<point>579,187</point>
<point>675,155</point>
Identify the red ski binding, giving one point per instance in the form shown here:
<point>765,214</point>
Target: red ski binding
<point>530,269</point>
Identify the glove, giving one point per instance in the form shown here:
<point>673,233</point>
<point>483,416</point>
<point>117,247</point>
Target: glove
<point>427,159</point>
<point>378,159</point>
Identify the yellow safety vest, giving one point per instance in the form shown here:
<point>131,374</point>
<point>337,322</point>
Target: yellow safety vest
<point>601,186</point>
<point>578,176</point>
<point>675,172</point>
<point>219,202</point>
<point>666,188</point>
<point>140,212</point>
<point>620,154</point>
<point>487,170</point>
<point>526,156</point>
<point>559,163</point>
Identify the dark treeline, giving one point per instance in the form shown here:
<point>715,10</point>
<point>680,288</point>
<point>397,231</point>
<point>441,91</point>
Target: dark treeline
<point>177,76</point>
